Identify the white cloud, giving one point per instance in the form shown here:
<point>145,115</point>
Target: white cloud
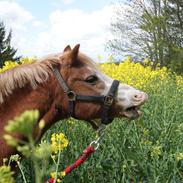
<point>19,20</point>
<point>36,23</point>
<point>76,26</point>
<point>14,15</point>
<point>35,38</point>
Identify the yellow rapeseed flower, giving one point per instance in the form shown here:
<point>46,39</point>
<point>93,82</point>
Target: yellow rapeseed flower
<point>136,74</point>
<point>179,81</point>
<point>156,151</point>
<point>146,142</point>
<point>10,64</point>
<point>53,174</point>
<point>145,132</point>
<point>58,180</point>
<point>58,142</point>
<point>60,175</point>
<point>179,156</point>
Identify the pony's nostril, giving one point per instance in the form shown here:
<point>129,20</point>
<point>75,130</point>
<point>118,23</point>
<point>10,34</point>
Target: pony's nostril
<point>139,96</point>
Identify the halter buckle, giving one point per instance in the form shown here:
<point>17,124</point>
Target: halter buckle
<point>71,95</point>
<point>108,100</point>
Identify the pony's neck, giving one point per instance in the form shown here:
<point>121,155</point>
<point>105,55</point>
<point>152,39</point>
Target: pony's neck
<point>47,98</point>
<point>44,98</point>
<point>57,108</point>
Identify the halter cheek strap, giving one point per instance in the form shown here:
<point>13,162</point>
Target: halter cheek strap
<point>108,101</point>
<point>105,100</point>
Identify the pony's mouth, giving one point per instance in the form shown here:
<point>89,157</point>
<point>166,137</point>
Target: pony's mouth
<point>132,112</point>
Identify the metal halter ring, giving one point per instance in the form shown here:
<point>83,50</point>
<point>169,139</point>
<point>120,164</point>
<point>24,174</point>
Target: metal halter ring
<point>101,132</point>
<point>95,144</point>
<point>108,100</point>
<point>71,95</point>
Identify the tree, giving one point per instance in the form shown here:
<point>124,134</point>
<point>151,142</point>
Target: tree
<point>174,11</point>
<point>126,31</point>
<point>151,29</point>
<point>7,52</point>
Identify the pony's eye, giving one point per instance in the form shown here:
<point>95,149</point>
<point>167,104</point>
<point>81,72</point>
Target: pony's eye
<point>91,79</point>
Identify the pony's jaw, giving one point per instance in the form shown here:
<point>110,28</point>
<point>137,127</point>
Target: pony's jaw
<point>128,99</point>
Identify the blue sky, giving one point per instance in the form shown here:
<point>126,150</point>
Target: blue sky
<point>42,8</point>
<point>41,27</point>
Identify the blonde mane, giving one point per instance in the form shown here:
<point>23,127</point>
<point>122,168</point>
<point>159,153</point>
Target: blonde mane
<point>33,73</point>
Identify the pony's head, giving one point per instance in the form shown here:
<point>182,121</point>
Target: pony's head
<point>82,76</point>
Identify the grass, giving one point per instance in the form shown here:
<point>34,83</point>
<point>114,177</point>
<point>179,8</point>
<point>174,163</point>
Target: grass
<point>145,150</point>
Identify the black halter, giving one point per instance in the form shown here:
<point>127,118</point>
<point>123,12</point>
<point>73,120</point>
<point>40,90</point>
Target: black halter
<point>106,100</point>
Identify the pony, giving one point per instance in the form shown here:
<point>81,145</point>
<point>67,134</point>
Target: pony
<point>35,86</point>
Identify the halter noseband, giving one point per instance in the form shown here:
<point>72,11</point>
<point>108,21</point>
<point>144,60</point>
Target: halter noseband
<point>105,100</point>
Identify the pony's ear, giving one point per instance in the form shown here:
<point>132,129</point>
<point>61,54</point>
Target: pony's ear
<point>71,55</point>
<point>67,48</point>
<point>75,52</point>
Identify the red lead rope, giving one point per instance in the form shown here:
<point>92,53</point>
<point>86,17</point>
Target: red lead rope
<point>86,153</point>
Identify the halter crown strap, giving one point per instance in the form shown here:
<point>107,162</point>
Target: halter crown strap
<point>107,100</point>
<point>61,80</point>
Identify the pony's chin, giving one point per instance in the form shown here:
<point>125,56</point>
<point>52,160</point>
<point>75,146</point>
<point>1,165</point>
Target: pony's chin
<point>131,113</point>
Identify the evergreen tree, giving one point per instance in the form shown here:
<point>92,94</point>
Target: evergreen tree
<point>7,52</point>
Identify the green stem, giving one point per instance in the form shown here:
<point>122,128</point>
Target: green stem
<point>35,163</point>
<point>9,161</point>
<point>37,173</point>
<point>57,165</point>
<point>23,175</point>
<point>54,161</point>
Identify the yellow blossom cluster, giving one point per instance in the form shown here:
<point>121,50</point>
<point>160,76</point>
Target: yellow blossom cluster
<point>58,175</point>
<point>179,81</point>
<point>179,156</point>
<point>156,150</point>
<point>58,142</point>
<point>10,64</point>
<point>140,75</point>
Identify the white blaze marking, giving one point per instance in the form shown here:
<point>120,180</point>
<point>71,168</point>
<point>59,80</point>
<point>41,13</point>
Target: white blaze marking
<point>125,93</point>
